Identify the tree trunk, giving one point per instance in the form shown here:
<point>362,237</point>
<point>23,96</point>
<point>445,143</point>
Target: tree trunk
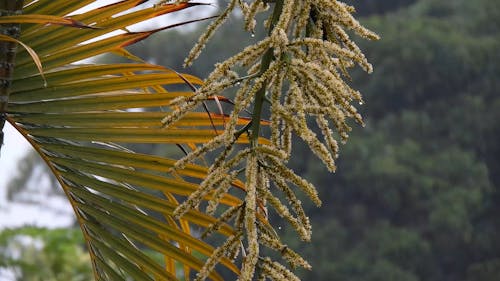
<point>7,56</point>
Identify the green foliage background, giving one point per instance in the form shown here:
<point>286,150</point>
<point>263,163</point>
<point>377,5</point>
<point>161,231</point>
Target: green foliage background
<point>417,192</point>
<point>34,254</point>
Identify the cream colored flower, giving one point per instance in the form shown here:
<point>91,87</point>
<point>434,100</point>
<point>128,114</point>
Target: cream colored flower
<point>295,76</point>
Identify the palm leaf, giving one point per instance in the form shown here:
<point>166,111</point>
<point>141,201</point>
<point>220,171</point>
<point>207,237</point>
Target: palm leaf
<point>77,115</point>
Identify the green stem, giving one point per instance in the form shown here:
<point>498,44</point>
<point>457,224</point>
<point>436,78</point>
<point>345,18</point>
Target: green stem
<point>7,56</point>
<point>260,96</point>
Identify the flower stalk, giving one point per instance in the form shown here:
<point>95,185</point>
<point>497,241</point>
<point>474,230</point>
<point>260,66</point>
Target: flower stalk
<point>303,64</point>
<point>260,97</point>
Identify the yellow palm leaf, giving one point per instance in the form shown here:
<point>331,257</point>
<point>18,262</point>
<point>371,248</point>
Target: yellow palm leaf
<point>77,115</point>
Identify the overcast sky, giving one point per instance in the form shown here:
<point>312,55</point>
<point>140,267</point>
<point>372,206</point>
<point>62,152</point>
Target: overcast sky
<point>15,146</point>
<point>13,215</point>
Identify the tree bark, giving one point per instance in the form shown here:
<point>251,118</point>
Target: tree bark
<point>7,56</point>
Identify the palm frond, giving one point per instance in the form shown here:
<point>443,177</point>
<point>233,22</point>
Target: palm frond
<point>81,117</point>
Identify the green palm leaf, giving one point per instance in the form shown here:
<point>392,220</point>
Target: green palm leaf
<point>75,114</point>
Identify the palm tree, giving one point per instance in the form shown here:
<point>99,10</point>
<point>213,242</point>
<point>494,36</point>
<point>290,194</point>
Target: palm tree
<point>140,213</point>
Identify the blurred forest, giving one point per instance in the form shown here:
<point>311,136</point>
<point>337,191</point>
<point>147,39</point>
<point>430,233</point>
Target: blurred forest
<point>417,192</point>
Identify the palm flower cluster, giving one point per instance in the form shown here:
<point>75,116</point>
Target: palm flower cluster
<point>299,73</point>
